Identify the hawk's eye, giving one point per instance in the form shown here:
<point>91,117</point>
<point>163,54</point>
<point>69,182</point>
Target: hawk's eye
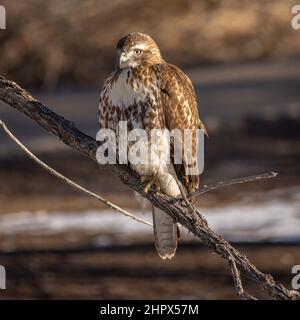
<point>137,52</point>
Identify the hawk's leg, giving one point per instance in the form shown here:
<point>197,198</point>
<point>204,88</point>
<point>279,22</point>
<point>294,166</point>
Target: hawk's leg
<point>151,181</point>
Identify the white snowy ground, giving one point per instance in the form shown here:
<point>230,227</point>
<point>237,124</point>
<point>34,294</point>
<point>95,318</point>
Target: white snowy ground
<point>276,218</point>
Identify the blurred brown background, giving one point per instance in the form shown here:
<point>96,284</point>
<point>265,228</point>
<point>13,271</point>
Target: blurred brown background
<point>244,60</point>
<point>52,43</point>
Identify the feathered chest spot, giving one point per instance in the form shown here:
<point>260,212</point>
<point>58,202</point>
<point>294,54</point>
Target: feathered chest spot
<point>127,90</point>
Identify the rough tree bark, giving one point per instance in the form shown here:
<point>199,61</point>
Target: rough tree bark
<point>20,99</point>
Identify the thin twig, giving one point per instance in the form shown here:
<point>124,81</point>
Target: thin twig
<point>231,182</point>
<point>67,180</point>
<point>238,281</point>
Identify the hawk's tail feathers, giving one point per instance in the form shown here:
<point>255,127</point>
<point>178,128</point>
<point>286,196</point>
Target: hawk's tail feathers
<point>166,234</point>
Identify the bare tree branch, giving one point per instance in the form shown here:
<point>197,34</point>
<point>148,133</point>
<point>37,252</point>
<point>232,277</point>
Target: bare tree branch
<point>21,100</point>
<point>189,204</point>
<point>67,180</point>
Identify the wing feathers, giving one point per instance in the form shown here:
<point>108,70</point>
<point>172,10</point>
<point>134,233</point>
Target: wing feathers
<point>181,111</point>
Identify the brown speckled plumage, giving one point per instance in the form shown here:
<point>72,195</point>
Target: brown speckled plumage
<point>150,94</point>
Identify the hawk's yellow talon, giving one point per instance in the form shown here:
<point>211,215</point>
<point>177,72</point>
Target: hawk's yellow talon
<point>151,181</point>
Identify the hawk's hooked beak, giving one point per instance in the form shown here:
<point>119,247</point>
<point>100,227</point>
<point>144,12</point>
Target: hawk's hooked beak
<point>123,60</point>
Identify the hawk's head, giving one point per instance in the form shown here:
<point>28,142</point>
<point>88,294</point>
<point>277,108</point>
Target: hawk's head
<point>137,49</point>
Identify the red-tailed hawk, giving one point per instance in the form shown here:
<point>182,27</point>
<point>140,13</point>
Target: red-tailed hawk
<point>149,93</point>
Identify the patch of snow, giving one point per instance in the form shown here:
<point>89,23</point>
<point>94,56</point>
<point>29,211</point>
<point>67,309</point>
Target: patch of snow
<point>272,220</point>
